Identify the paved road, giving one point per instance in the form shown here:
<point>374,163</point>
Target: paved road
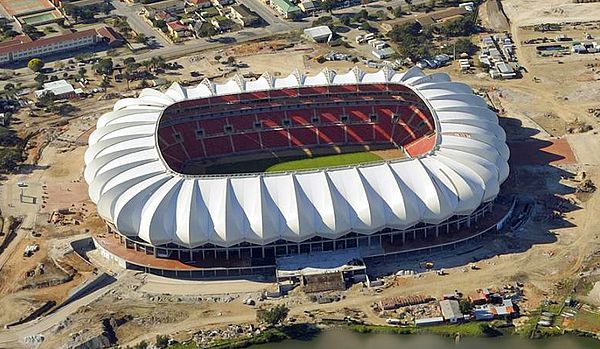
<point>137,23</point>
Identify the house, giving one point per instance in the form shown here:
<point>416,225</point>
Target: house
<point>286,8</point>
<point>243,15</point>
<point>451,311</point>
<point>202,29</point>
<point>221,3</point>
<point>198,3</point>
<point>61,89</point>
<point>171,7</point>
<point>321,33</point>
<point>309,6</point>
<point>178,30</point>
<point>222,23</point>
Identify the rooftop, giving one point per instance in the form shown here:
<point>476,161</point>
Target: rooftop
<point>22,44</point>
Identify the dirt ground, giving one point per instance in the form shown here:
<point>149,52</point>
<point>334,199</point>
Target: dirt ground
<point>529,12</point>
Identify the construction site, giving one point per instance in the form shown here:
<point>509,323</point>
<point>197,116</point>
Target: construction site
<point>58,291</point>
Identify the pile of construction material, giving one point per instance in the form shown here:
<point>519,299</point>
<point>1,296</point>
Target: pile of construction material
<point>392,303</point>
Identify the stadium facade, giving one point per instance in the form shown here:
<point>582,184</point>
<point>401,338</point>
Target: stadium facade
<point>156,205</point>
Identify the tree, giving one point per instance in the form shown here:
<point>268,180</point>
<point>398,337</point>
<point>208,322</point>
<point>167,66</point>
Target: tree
<point>412,39</point>
<point>464,45</point>
<point>365,26</point>
<point>361,15</point>
<point>29,29</point>
<point>9,88</point>
<point>9,158</point>
<point>231,60</point>
<point>104,66</point>
<point>463,26</point>
<point>129,61</point>
<point>273,316</point>
<point>106,8</point>
<point>162,342</point>
<point>345,20</point>
<point>41,78</point>
<point>47,100</point>
<point>104,83</point>
<point>35,65</point>
<point>81,73</point>
<point>328,5</point>
<point>141,38</point>
<point>465,306</point>
<point>398,12</point>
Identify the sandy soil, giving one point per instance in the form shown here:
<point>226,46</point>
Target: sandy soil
<point>529,12</point>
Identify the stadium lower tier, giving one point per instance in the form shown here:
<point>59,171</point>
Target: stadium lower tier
<point>246,259</point>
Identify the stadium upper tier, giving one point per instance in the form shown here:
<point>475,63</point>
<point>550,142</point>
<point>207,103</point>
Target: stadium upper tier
<point>459,157</point>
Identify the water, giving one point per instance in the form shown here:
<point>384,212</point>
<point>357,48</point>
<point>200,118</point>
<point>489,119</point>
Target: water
<point>340,339</point>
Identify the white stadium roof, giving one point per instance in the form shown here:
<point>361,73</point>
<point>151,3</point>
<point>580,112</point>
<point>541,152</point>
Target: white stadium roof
<point>135,190</point>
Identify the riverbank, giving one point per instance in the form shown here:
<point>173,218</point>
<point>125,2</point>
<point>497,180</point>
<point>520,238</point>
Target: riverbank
<point>270,335</point>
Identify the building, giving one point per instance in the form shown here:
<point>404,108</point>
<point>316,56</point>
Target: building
<point>432,321</point>
<point>309,6</point>
<point>60,89</point>
<point>451,311</point>
<point>163,216</point>
<point>171,7</point>
<point>243,15</point>
<point>111,37</point>
<point>222,23</point>
<point>383,53</point>
<point>23,47</point>
<point>286,8</point>
<point>94,5</point>
<point>199,3</point>
<point>178,30</point>
<point>221,3</point>
<point>318,34</point>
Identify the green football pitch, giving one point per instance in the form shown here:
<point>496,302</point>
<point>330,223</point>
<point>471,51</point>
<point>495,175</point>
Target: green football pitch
<point>292,163</point>
<point>324,162</point>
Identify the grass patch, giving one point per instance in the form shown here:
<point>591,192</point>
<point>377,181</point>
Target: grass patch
<point>468,329</point>
<point>324,162</point>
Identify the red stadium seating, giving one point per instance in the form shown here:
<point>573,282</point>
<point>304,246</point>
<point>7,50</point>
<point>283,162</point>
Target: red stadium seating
<point>274,139</point>
<point>372,117</point>
<point>218,145</point>
<point>332,135</point>
<point>303,136</point>
<point>247,141</point>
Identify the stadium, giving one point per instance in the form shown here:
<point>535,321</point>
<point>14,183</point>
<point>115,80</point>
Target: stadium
<point>224,179</point>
